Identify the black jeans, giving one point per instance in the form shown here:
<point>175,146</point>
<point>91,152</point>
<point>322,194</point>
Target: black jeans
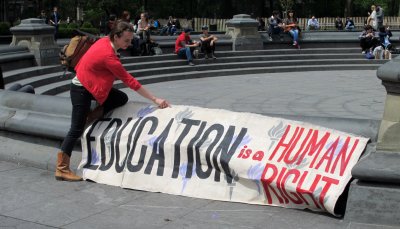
<point>206,47</point>
<point>81,101</point>
<point>367,43</point>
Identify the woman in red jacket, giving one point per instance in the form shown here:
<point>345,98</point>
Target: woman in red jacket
<point>95,75</point>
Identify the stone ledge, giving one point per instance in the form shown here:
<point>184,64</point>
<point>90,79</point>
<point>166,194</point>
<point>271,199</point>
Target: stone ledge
<point>39,115</point>
<point>373,203</point>
<point>380,167</point>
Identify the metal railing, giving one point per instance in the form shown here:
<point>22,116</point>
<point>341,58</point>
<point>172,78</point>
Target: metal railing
<point>326,23</point>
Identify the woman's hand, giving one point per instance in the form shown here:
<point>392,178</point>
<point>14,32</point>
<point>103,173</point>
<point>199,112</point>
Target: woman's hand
<point>162,103</point>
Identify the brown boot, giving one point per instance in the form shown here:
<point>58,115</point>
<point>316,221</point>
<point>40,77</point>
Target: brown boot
<point>62,170</point>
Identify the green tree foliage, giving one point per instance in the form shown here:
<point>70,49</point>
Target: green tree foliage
<point>362,7</point>
<point>98,10</point>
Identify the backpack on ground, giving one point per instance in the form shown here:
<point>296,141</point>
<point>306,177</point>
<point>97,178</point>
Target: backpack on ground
<point>154,49</point>
<point>77,47</point>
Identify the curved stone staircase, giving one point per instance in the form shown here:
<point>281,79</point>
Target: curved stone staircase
<point>52,80</point>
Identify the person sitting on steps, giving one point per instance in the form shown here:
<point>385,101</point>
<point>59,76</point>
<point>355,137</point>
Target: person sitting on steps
<point>313,24</point>
<point>275,24</point>
<point>368,41</point>
<point>290,25</point>
<point>143,31</point>
<point>185,48</point>
<point>338,23</point>
<point>349,24</point>
<point>208,43</point>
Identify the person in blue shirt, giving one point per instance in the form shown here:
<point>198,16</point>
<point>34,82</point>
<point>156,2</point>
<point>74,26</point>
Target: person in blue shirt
<point>349,25</point>
<point>384,36</point>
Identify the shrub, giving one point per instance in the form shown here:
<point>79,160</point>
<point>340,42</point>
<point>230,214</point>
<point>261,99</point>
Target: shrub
<point>62,25</point>
<point>87,25</point>
<point>73,25</point>
<point>90,30</point>
<point>4,28</point>
<point>65,32</point>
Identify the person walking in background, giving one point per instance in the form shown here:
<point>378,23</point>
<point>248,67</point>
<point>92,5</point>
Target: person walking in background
<point>338,23</point>
<point>185,47</point>
<point>290,26</point>
<point>379,16</point>
<point>208,43</point>
<point>312,23</point>
<point>95,74</point>
<point>55,19</point>
<point>372,18</point>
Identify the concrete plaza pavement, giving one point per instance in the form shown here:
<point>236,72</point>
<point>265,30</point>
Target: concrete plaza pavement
<point>343,94</point>
<point>30,197</point>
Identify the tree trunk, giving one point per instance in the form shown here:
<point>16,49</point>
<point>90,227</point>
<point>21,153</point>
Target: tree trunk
<point>348,8</point>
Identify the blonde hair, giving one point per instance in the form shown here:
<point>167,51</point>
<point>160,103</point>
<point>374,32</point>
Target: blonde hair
<point>373,7</point>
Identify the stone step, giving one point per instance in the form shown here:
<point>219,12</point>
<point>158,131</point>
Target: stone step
<point>44,79</point>
<point>129,59</point>
<point>134,63</point>
<point>222,64</point>
<point>270,58</point>
<point>26,73</point>
<point>61,88</point>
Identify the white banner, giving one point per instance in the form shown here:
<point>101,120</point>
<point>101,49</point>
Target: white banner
<point>221,155</point>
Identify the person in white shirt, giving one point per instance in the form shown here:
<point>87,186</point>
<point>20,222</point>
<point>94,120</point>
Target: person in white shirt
<point>372,18</point>
<point>312,24</point>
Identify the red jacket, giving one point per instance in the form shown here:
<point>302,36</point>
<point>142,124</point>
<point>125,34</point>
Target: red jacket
<point>181,37</point>
<point>98,69</point>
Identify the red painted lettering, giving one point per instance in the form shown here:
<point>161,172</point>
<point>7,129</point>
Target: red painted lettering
<point>342,155</point>
<point>258,156</point>
<point>294,197</point>
<point>309,191</point>
<point>268,181</point>
<point>314,146</point>
<point>328,156</point>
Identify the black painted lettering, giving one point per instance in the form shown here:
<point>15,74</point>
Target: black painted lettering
<point>90,139</point>
<point>227,153</point>
<point>177,146</point>
<point>129,165</point>
<point>158,151</point>
<point>199,171</point>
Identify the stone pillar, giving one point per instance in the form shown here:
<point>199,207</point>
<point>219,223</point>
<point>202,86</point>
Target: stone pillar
<point>244,33</point>
<point>374,196</point>
<point>39,38</point>
<point>389,132</point>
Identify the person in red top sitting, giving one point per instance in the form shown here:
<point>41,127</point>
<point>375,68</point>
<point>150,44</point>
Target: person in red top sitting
<point>184,46</point>
<point>95,74</point>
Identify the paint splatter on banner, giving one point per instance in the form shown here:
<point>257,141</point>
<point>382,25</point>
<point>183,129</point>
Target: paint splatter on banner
<point>221,155</point>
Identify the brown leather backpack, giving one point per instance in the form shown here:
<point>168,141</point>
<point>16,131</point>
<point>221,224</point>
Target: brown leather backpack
<point>77,47</point>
